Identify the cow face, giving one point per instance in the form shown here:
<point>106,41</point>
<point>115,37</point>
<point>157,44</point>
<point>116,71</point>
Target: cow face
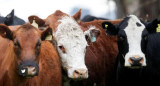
<point>132,38</point>
<point>27,43</point>
<point>71,45</point>
<point>71,41</point>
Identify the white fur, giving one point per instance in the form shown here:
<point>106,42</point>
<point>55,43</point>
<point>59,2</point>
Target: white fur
<point>70,35</point>
<point>134,34</point>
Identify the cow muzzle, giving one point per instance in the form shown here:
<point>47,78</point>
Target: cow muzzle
<point>80,74</point>
<point>136,61</point>
<point>28,69</point>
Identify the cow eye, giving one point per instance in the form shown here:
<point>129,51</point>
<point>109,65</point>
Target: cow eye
<point>122,38</point>
<point>62,48</point>
<point>38,44</point>
<point>16,44</point>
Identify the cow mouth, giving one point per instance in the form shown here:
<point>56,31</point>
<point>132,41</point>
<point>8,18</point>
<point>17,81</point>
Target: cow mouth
<point>135,66</point>
<point>79,78</point>
<point>29,76</point>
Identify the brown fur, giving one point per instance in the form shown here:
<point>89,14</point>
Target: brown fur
<point>50,70</point>
<point>38,20</point>
<point>104,51</point>
<point>100,57</point>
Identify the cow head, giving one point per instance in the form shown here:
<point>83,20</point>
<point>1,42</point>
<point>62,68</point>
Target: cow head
<point>9,18</point>
<point>26,46</point>
<point>132,39</point>
<point>71,42</point>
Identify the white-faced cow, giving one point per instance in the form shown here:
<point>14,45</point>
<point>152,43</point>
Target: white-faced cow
<point>71,42</point>
<point>132,40</point>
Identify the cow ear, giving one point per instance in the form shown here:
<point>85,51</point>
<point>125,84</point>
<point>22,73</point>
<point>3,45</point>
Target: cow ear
<point>36,21</point>
<point>91,34</point>
<point>154,26</point>
<point>47,34</point>
<point>77,16</point>
<point>5,32</point>
<point>9,18</point>
<point>110,28</point>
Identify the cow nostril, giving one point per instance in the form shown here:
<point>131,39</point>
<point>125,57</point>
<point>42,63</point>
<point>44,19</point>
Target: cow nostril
<point>34,70</point>
<point>141,60</point>
<point>132,58</point>
<point>31,70</point>
<point>76,72</point>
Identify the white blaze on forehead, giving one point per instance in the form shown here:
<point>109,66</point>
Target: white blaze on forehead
<point>134,36</point>
<point>70,35</point>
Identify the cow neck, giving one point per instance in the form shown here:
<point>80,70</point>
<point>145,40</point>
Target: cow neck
<point>12,69</point>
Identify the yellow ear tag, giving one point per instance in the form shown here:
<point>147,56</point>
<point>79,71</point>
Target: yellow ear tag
<point>34,24</point>
<point>158,28</point>
<point>49,37</point>
<point>106,25</point>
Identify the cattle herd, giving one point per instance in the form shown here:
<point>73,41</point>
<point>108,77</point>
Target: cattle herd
<point>63,50</point>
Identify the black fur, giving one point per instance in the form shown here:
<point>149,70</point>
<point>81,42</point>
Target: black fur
<point>11,19</point>
<point>152,72</point>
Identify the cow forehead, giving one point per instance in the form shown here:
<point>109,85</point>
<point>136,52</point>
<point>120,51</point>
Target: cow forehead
<point>68,31</point>
<point>27,34</point>
<point>134,32</point>
<point>134,26</point>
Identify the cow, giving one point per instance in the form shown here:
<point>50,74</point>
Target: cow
<point>152,72</point>
<point>11,19</point>
<point>71,42</point>
<point>96,53</point>
<point>88,18</point>
<point>132,41</point>
<point>100,57</point>
<point>22,51</point>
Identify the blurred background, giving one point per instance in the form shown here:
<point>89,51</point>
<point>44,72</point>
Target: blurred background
<point>110,9</point>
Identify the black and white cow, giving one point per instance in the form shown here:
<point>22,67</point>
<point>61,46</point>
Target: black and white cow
<point>132,40</point>
<point>10,19</point>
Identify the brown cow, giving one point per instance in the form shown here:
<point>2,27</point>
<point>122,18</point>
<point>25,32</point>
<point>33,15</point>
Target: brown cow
<point>24,51</point>
<point>104,49</point>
